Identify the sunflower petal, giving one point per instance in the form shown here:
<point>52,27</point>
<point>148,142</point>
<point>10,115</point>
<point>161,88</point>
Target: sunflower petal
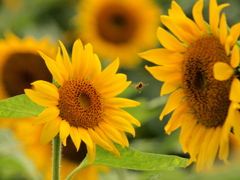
<point>47,115</point>
<point>121,102</point>
<point>36,97</point>
<point>235,57</point>
<point>75,136</point>
<point>51,64</point>
<point>162,56</point>
<point>163,73</point>
<point>46,89</point>
<point>50,130</point>
<point>85,137</point>
<point>171,85</point>
<point>172,103</point>
<point>98,140</point>
<point>219,68</point>
<point>198,17</point>
<point>64,131</point>
<point>235,90</point>
<point>169,41</point>
<point>223,30</point>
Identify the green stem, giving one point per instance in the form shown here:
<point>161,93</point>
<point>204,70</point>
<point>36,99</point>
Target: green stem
<point>56,153</point>
<point>83,164</point>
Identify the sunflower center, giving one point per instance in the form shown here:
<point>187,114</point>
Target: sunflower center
<point>69,152</point>
<point>116,24</point>
<point>207,98</point>
<point>21,69</point>
<point>80,104</point>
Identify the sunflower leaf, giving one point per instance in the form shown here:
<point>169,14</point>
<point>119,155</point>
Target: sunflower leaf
<point>19,106</point>
<point>136,160</point>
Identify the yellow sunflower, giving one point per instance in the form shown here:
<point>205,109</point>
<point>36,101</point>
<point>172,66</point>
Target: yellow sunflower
<point>21,64</point>
<point>40,155</point>
<point>82,103</point>
<point>206,109</point>
<point>120,28</point>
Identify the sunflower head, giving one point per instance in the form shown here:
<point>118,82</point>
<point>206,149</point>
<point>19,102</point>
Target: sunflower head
<point>190,63</point>
<point>20,63</point>
<point>120,28</point>
<point>82,103</point>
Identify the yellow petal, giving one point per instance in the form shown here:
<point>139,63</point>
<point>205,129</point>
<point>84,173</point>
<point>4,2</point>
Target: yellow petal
<point>169,41</point>
<point>91,153</point>
<point>223,30</point>
<point>202,158</point>
<point>176,118</point>
<point>75,136</point>
<point>51,64</point>
<point>182,35</point>
<point>110,70</point>
<point>235,90</point>
<point>171,85</point>
<point>50,130</point>
<point>112,133</point>
<point>96,68</point>
<point>77,51</point>
<point>123,114</point>
<point>235,57</point>
<point>213,147</point>
<point>187,129</point>
<point>98,140</point>
<point>64,131</point>
<point>164,73</point>
<point>198,17</point>
<point>114,89</point>
<point>222,71</point>
<point>121,102</point>
<point>85,137</point>
<point>46,89</point>
<point>173,101</point>
<point>103,135</point>
<point>234,34</point>
<point>66,59</point>
<point>36,97</point>
<point>119,123</point>
<point>162,56</point>
<point>47,115</point>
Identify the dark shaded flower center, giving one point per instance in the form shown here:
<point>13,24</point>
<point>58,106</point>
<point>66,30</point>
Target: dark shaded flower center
<point>80,104</point>
<point>207,98</point>
<point>21,69</point>
<point>69,152</point>
<point>116,24</point>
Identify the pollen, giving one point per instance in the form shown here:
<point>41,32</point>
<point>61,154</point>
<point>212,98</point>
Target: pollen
<point>116,24</point>
<point>80,103</point>
<point>207,98</point>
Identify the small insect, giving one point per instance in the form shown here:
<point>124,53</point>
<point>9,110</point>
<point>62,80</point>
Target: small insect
<point>139,86</point>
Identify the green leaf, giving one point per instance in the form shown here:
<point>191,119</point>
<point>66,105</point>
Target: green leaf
<point>154,177</point>
<point>136,160</point>
<point>18,107</point>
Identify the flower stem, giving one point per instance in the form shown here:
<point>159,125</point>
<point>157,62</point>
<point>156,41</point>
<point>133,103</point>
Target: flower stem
<point>56,153</point>
<point>83,164</point>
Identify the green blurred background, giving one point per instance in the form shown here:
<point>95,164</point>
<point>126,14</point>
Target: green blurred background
<point>53,18</point>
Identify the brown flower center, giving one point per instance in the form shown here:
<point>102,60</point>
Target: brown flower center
<point>116,23</point>
<point>80,104</point>
<point>207,98</point>
<point>69,152</point>
<point>21,69</point>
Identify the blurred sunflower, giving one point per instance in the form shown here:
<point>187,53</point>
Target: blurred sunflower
<point>120,28</point>
<point>41,155</point>
<point>82,103</point>
<point>206,109</point>
<point>21,64</point>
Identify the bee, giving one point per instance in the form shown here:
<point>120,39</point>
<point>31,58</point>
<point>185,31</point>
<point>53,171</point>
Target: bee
<point>139,86</point>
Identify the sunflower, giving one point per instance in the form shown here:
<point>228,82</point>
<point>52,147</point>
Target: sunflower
<point>206,109</point>
<point>120,28</point>
<point>20,63</point>
<point>29,136</point>
<point>81,102</point>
